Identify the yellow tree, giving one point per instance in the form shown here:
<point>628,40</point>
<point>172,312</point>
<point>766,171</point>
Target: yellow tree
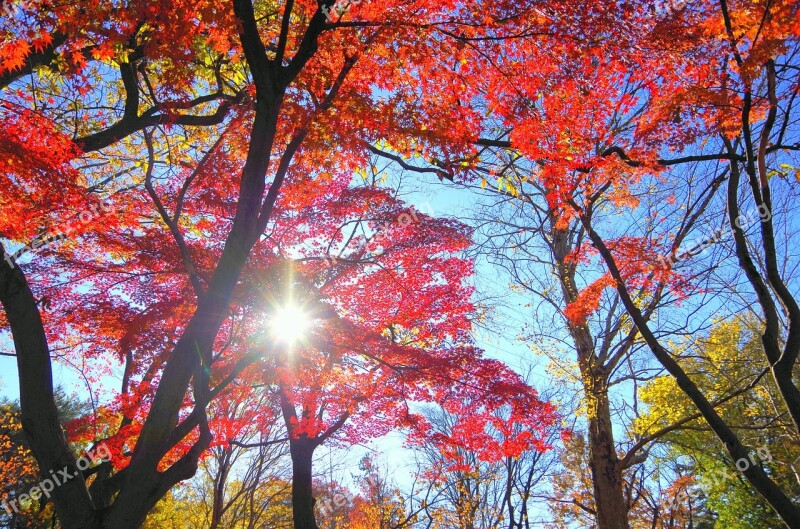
<point>18,474</point>
<point>728,365</point>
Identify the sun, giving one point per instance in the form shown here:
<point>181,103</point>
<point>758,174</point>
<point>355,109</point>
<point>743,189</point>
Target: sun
<point>289,323</point>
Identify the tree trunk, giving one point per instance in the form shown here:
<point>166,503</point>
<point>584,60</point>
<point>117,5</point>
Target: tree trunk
<point>220,481</point>
<point>302,452</point>
<point>40,421</point>
<point>610,503</point>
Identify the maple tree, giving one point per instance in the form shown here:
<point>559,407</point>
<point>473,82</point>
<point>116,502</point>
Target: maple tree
<point>473,492</point>
<point>208,131</point>
<point>350,383</point>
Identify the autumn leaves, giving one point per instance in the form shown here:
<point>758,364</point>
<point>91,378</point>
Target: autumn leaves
<point>171,299</point>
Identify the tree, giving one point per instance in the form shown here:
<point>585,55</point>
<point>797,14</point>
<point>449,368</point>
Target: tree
<point>665,78</point>
<point>473,492</point>
<point>200,128</point>
<point>170,513</point>
<point>522,235</point>
<point>378,503</point>
<point>402,343</point>
<point>208,132</point>
<point>18,470</point>
<point>781,353</point>
<point>244,481</point>
<point>573,501</point>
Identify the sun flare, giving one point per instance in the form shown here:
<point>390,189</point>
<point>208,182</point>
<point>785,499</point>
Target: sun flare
<point>289,324</point>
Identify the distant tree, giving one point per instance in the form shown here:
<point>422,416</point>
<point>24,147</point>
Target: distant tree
<point>172,512</point>
<point>18,473</point>
<point>18,470</point>
<point>378,503</point>
<point>471,491</point>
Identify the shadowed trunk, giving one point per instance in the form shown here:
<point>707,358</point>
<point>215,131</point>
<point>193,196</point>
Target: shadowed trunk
<point>302,452</point>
